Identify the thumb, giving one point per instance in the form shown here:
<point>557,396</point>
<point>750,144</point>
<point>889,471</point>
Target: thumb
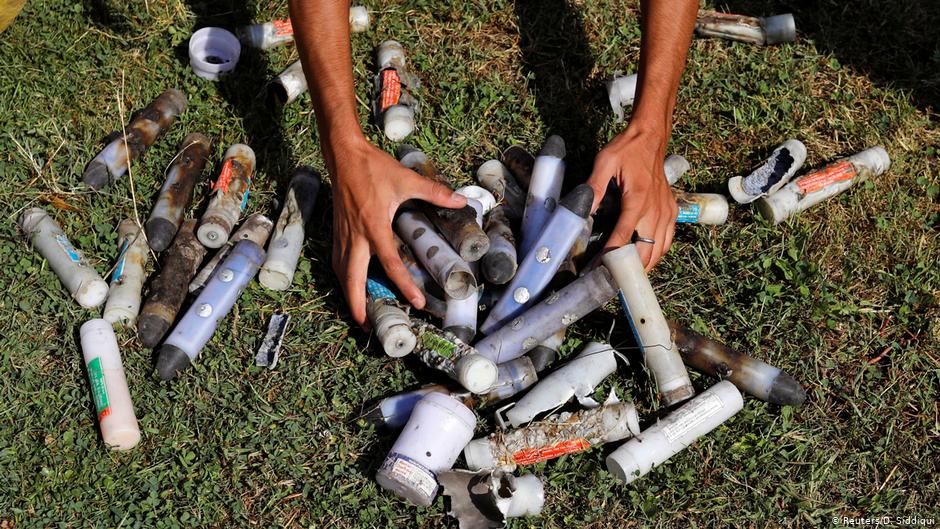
<point>436,193</point>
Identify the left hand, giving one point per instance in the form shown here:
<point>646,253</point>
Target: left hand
<point>635,160</point>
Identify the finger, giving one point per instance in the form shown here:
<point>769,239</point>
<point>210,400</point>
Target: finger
<point>435,193</point>
<point>603,171</point>
<point>626,224</point>
<point>662,229</point>
<point>338,260</point>
<point>646,228</point>
<point>670,218</point>
<point>387,252</point>
<point>354,281</point>
<point>670,232</point>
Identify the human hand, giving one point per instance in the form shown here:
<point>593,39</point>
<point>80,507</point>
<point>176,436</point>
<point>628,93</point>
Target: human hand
<point>368,187</point>
<point>635,161</point>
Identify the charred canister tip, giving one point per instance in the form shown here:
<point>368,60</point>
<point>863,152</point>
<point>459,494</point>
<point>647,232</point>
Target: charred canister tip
<point>554,146</point>
<point>579,200</point>
<point>171,362</point>
<point>786,391</point>
<point>406,149</point>
<point>520,163</point>
<point>542,357</point>
<point>151,329</point>
<point>160,233</point>
<point>499,267</point>
<point>465,334</point>
<point>96,175</point>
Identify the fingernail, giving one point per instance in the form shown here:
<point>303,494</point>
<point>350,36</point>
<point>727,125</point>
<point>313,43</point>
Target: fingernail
<point>417,302</point>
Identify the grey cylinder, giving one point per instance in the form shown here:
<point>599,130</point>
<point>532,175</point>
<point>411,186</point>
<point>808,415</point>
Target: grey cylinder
<point>79,277</point>
<point>256,229</point>
<point>555,312</point>
<point>451,272</point>
<point>287,241</point>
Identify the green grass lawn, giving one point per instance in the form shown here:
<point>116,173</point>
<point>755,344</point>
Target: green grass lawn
<point>843,297</point>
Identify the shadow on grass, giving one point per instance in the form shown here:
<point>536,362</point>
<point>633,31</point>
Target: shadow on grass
<point>245,89</point>
<point>557,56</point>
<point>894,43</point>
<point>104,15</point>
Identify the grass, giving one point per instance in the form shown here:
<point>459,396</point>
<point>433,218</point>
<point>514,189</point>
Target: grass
<point>844,297</point>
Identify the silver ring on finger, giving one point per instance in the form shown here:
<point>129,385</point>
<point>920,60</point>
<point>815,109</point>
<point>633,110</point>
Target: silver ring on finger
<point>646,240</point>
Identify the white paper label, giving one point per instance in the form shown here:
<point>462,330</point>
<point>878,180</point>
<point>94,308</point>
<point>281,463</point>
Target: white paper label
<point>691,415</point>
<point>417,477</point>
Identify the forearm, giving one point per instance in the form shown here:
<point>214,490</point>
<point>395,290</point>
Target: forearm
<point>667,32</point>
<point>322,35</point>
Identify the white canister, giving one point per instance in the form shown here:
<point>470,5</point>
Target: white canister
<point>113,404</point>
<point>437,431</point>
<point>127,280</point>
<point>80,278</point>
<point>668,437</point>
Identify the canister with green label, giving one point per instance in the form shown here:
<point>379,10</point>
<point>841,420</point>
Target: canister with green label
<point>445,352</point>
<point>109,386</point>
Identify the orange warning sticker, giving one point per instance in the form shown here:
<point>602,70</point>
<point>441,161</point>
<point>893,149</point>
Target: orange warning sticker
<point>837,172</point>
<point>391,89</point>
<point>225,177</point>
<point>283,28</point>
<point>534,455</point>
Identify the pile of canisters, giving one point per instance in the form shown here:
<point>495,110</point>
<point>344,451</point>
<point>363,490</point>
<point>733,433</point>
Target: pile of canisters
<point>504,278</point>
<point>211,286</point>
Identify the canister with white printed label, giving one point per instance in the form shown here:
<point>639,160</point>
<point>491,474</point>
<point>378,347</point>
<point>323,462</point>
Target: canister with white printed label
<point>438,429</point>
<point>655,445</point>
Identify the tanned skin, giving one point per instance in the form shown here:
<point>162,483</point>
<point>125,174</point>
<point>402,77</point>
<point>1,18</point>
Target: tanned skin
<point>369,184</point>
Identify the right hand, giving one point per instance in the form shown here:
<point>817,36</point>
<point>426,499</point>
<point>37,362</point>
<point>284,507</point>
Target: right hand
<point>368,187</point>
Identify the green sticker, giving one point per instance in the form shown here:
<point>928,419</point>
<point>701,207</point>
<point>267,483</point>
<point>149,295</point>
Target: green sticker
<point>439,345</point>
<point>98,388</point>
